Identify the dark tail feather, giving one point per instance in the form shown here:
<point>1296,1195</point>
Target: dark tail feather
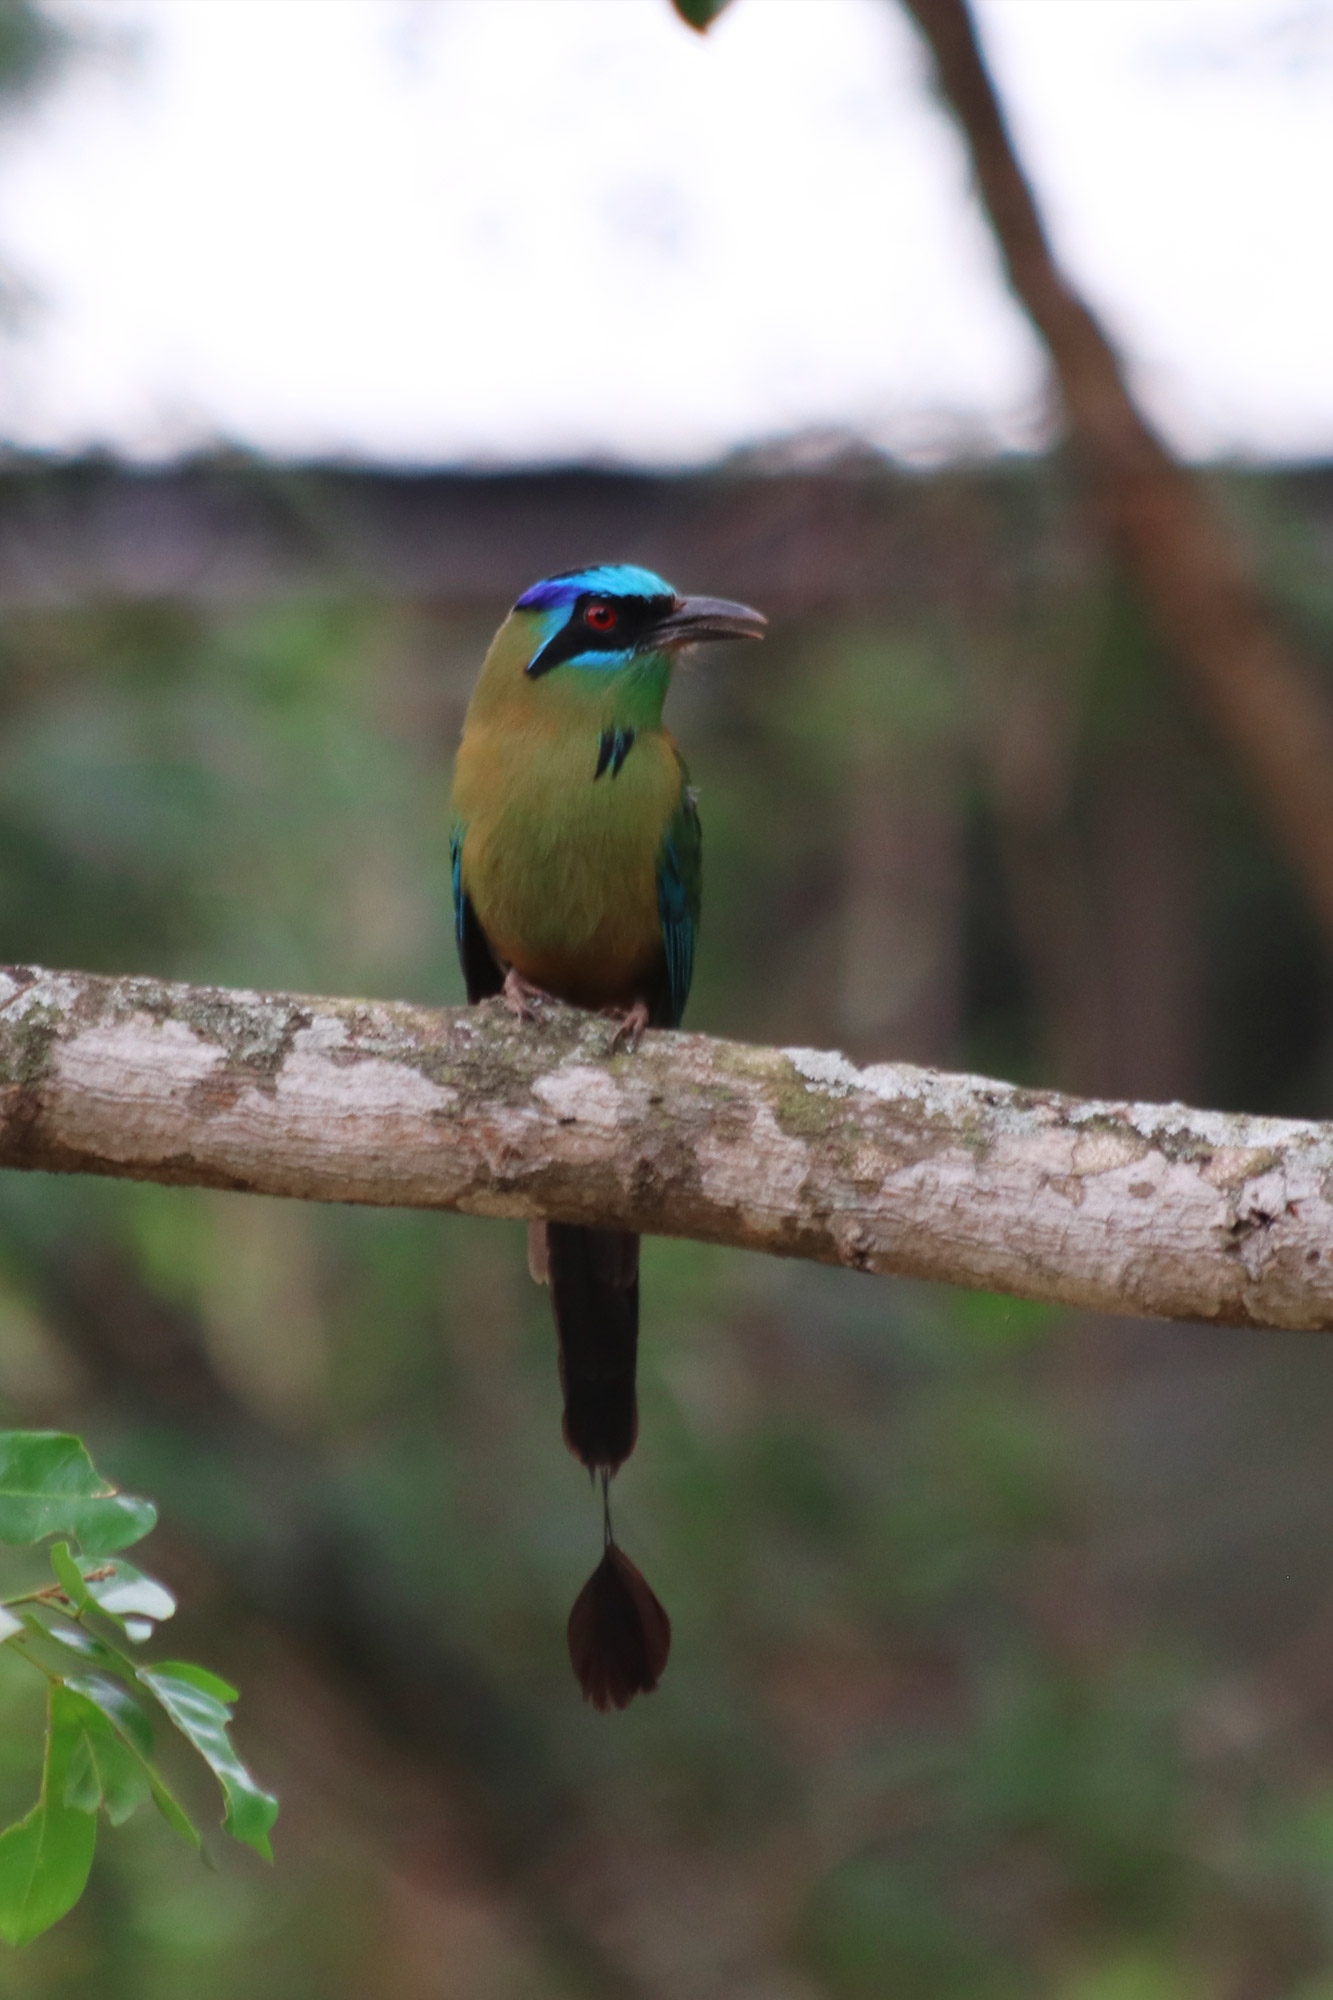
<point>619,1635</point>
<point>594,1279</point>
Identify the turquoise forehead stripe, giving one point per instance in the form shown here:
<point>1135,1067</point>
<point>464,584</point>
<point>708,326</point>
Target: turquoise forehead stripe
<point>603,580</point>
<point>601,662</point>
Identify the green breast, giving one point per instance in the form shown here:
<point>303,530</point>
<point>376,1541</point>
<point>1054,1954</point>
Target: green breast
<point>561,863</point>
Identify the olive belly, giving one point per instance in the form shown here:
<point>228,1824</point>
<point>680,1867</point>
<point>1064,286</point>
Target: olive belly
<point>572,905</point>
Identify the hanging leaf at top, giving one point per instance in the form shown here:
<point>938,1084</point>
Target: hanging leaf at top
<point>699,14</point>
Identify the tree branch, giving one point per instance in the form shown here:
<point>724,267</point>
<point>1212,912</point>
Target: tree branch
<point>1152,1209</point>
<point>1266,702</point>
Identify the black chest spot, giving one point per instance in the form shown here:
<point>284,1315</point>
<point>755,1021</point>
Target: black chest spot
<point>612,751</point>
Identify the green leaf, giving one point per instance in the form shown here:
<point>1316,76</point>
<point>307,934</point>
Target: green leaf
<point>72,1636</point>
<point>49,1486</point>
<point>45,1858</point>
<point>83,1783</point>
<point>123,1591</point>
<point>9,1624</point>
<point>201,1678</point>
<point>133,1728</point>
<point>197,1702</point>
<point>171,1809</point>
<point>68,1577</point>
<point>699,14</point>
<point>118,1706</point>
<point>104,1769</point>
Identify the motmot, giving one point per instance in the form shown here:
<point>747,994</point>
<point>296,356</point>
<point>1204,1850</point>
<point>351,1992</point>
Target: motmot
<point>577,857</point>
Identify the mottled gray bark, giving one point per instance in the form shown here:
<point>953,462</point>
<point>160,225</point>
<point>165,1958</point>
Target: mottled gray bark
<point>1133,1208</point>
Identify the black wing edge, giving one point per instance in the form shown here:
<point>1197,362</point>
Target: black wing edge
<point>481,975</point>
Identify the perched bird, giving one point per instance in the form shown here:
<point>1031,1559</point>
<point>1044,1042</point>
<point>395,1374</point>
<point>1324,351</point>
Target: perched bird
<point>576,873</point>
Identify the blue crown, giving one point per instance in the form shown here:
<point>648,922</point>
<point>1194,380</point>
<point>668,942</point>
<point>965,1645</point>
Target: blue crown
<point>553,593</point>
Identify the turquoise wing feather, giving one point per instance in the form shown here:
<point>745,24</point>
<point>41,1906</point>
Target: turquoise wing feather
<point>679,890</point>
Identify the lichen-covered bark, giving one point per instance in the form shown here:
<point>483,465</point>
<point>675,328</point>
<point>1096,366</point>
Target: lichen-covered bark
<point>1134,1208</point>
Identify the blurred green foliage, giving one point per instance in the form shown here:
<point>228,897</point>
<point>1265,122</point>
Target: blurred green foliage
<point>71,1624</point>
<point>1001,1639</point>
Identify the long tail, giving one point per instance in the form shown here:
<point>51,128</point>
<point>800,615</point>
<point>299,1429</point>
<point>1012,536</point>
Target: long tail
<point>619,1635</point>
<point>594,1279</point>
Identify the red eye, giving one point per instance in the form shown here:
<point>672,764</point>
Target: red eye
<point>601,617</point>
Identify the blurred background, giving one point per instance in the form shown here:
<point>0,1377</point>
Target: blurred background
<point>1003,1657</point>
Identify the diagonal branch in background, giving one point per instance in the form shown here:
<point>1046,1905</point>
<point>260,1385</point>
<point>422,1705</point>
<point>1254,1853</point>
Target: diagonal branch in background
<point>1264,700</point>
<point>1145,1209</point>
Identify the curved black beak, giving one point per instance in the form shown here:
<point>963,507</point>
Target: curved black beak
<point>693,618</point>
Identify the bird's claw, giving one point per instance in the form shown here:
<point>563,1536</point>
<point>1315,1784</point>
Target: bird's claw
<point>630,1024</point>
<point>520,996</point>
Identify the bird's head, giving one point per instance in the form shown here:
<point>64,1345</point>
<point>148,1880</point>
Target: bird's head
<point>613,617</point>
<point>607,631</point>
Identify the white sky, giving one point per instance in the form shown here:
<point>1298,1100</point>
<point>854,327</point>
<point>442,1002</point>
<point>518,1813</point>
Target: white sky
<point>426,230</point>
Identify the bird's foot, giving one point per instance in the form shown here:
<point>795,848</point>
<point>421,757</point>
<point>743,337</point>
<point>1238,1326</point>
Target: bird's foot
<point>630,1024</point>
<point>520,996</point>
